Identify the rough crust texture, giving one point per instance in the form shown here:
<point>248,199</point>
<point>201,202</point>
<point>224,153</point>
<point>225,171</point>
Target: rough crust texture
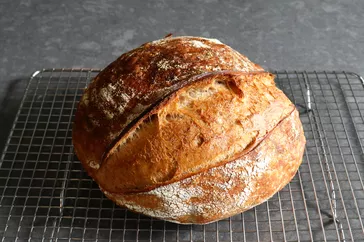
<point>188,130</point>
<point>213,120</point>
<point>138,79</point>
<point>229,189</point>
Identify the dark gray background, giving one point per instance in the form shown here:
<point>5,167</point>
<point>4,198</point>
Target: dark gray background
<point>284,34</point>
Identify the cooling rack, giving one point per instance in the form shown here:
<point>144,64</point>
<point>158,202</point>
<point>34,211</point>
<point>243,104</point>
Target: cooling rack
<point>46,196</point>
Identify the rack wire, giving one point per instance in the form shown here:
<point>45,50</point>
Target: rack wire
<point>45,195</point>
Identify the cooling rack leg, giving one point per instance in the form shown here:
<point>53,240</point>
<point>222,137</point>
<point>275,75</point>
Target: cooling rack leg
<point>308,93</point>
<point>332,194</point>
<point>35,73</point>
<point>316,119</point>
<point>309,108</point>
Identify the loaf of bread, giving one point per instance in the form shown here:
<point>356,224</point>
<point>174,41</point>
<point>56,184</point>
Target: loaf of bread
<point>187,130</point>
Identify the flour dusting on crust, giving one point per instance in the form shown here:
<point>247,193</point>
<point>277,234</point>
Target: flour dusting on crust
<point>176,197</point>
<point>198,44</point>
<point>188,39</point>
<point>220,191</point>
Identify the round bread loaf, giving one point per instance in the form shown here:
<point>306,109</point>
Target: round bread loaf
<point>187,130</point>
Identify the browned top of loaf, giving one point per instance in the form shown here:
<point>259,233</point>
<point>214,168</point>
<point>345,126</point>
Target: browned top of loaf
<point>136,80</point>
<point>215,119</point>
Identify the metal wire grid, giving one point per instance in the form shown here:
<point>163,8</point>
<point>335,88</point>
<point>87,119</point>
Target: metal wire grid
<point>46,195</point>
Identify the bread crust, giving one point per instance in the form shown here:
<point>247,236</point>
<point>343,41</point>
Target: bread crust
<point>226,190</point>
<point>194,129</point>
<point>187,130</point>
<point>136,80</point>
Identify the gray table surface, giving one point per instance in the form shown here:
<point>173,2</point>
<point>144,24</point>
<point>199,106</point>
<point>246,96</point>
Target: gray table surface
<point>283,34</point>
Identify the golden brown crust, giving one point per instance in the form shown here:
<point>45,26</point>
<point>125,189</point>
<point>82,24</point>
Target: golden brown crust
<point>136,80</point>
<point>217,118</point>
<point>229,189</point>
<point>187,130</point>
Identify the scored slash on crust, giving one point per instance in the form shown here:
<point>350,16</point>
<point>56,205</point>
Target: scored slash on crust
<point>153,110</point>
<point>165,98</point>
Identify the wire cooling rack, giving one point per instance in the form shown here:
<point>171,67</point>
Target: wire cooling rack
<point>46,196</point>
